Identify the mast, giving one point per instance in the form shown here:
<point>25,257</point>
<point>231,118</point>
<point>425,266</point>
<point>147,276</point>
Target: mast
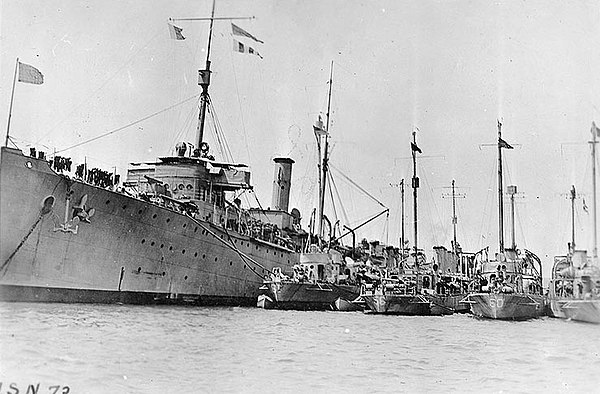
<point>323,175</point>
<point>12,95</point>
<point>573,196</point>
<point>204,82</point>
<point>500,196</point>
<point>512,190</point>
<point>594,141</point>
<point>454,219</point>
<point>402,211</point>
<point>415,186</point>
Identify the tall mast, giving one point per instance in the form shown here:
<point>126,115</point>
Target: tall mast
<point>323,175</point>
<point>12,95</point>
<point>500,195</point>
<point>204,82</point>
<point>415,186</point>
<point>402,209</point>
<point>573,196</point>
<point>454,219</point>
<point>512,190</point>
<point>594,135</point>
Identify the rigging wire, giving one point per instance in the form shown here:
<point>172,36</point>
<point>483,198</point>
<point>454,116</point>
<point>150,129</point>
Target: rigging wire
<point>334,186</point>
<point>237,91</point>
<point>331,197</point>
<point>357,186</point>
<point>127,125</point>
<point>126,63</point>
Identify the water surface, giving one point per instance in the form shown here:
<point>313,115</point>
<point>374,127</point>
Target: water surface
<point>157,349</point>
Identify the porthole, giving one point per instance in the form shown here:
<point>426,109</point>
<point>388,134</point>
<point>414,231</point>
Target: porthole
<point>154,216</point>
<point>152,243</point>
<point>231,263</point>
<point>196,254</point>
<point>28,164</point>
<point>140,212</point>
<point>170,247</point>
<point>184,225</point>
<point>189,187</point>
<point>162,246</point>
<point>185,277</point>
<point>124,207</point>
<point>164,273</point>
<point>139,269</point>
<point>107,202</point>
<point>196,229</point>
<point>203,256</point>
<point>216,259</point>
<point>168,220</point>
<point>181,187</point>
<point>143,241</point>
<point>183,251</point>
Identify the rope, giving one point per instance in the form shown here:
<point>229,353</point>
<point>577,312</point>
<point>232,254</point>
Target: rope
<point>233,247</point>
<point>128,125</point>
<point>357,186</point>
<point>5,264</point>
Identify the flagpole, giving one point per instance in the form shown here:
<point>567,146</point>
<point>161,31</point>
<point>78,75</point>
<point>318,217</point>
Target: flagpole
<point>594,142</point>
<point>500,195</point>
<point>415,186</point>
<point>12,95</point>
<point>204,76</point>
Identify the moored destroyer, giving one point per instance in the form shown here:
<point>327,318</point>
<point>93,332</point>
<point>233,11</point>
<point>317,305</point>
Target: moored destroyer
<point>574,291</point>
<point>510,285</point>
<point>173,232</point>
<point>323,278</point>
<point>409,289</point>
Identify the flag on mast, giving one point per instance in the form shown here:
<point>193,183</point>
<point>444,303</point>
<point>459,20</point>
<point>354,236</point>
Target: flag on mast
<point>319,128</point>
<point>595,129</point>
<point>175,32</point>
<point>504,144</point>
<point>239,44</point>
<point>30,74</point>
<point>415,148</point>
<point>238,31</point>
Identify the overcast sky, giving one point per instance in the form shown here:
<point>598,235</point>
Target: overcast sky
<point>449,68</point>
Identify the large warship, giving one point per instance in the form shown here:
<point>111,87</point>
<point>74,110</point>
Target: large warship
<point>174,231</point>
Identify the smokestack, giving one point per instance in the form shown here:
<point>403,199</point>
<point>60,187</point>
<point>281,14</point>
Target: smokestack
<point>281,183</point>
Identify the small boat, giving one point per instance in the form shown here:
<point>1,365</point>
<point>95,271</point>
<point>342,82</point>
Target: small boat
<point>397,297</point>
<point>508,287</point>
<point>574,291</point>
<point>453,271</point>
<point>317,284</point>
<point>411,289</point>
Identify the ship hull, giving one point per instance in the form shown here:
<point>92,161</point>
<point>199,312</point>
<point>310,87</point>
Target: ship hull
<point>343,305</point>
<point>449,304</point>
<point>306,296</point>
<point>507,306</point>
<point>392,304</point>
<point>129,251</point>
<point>587,311</point>
<point>555,308</point>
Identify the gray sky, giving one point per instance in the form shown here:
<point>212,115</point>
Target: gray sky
<point>450,68</point>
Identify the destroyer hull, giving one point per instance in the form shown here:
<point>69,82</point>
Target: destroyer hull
<point>555,308</point>
<point>129,251</point>
<point>587,311</point>
<point>306,296</point>
<point>450,303</point>
<point>398,304</point>
<point>507,306</point>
